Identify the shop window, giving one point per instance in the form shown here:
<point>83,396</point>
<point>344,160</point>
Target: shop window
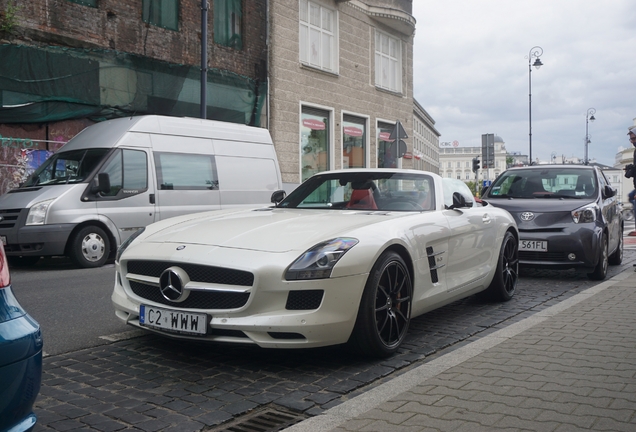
<point>388,62</point>
<point>354,142</point>
<point>318,36</point>
<point>314,141</point>
<point>387,157</point>
<point>227,23</point>
<point>162,13</point>
<point>91,3</point>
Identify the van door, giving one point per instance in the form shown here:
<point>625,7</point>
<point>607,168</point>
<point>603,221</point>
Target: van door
<point>130,204</point>
<point>186,172</point>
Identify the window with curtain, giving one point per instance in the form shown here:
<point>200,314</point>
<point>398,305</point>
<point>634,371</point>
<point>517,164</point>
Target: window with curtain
<point>91,3</point>
<point>318,36</point>
<point>162,13</point>
<point>227,23</point>
<point>315,141</point>
<point>388,62</point>
<point>354,141</point>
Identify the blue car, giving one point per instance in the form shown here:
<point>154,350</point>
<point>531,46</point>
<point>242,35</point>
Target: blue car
<point>20,358</point>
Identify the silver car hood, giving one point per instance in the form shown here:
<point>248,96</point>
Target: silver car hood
<point>269,230</point>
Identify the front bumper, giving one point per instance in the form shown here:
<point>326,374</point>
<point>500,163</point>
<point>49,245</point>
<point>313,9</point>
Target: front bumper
<point>37,240</point>
<point>575,247</point>
<point>265,318</point>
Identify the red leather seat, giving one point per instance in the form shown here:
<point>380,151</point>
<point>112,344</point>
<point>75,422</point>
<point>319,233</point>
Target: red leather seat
<point>362,199</point>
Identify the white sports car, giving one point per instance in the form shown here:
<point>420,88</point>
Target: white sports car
<point>350,257</point>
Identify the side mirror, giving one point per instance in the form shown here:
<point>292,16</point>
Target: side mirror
<point>459,201</point>
<point>103,183</point>
<point>278,196</point>
<point>608,191</point>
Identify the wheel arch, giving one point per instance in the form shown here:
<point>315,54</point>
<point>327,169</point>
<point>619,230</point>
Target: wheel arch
<point>406,256</point>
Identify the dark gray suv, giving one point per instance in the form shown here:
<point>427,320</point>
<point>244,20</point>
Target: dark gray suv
<point>568,216</point>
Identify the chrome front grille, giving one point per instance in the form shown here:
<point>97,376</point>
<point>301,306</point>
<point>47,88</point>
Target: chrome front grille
<point>143,278</point>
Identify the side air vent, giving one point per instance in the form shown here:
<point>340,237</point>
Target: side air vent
<point>432,263</point>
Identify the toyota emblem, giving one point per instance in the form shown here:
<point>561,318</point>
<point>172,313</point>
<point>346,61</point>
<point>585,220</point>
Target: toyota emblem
<point>172,284</point>
<point>526,216</point>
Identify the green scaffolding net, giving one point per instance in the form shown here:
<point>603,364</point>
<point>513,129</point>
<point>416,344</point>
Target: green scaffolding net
<point>46,84</point>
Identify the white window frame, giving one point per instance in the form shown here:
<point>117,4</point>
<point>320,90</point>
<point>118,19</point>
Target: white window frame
<point>318,36</point>
<point>388,62</point>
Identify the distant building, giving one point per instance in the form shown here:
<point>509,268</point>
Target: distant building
<point>456,162</point>
<point>425,140</point>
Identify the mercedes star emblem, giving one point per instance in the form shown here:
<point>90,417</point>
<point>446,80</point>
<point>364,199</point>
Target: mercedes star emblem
<point>172,283</point>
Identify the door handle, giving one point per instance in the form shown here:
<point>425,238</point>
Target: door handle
<point>151,197</point>
<point>486,218</point>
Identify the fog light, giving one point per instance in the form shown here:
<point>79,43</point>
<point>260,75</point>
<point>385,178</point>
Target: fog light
<point>571,257</point>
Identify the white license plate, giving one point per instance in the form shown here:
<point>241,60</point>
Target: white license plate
<point>171,320</point>
<point>4,240</point>
<point>533,245</point>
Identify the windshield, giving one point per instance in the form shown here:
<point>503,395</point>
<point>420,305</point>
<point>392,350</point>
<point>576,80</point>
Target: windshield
<point>66,167</point>
<point>570,183</point>
<point>364,191</point>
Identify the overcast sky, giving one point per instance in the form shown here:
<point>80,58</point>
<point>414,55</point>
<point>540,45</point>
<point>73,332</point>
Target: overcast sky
<point>471,73</point>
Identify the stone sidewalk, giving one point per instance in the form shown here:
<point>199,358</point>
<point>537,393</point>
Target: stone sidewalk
<point>569,367</point>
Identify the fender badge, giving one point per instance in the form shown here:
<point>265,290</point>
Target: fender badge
<point>181,247</point>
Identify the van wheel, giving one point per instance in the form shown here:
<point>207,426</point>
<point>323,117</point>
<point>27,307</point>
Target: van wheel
<point>89,247</point>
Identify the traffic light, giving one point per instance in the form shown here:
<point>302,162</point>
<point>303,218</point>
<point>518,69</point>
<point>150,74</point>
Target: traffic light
<point>475,164</point>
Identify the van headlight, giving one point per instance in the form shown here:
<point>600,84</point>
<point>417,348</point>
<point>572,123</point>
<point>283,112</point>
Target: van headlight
<point>127,243</point>
<point>585,214</point>
<point>37,212</point>
<point>318,262</point>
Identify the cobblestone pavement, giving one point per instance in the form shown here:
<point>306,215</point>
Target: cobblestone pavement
<point>570,367</point>
<point>151,383</point>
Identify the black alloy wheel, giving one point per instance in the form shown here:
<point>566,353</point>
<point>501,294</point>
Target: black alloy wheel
<point>385,309</point>
<point>504,283</point>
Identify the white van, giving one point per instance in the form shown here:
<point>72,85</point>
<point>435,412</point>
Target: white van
<point>120,175</point>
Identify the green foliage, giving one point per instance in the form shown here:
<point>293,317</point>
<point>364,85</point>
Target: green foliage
<point>8,18</point>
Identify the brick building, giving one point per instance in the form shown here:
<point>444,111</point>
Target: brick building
<point>328,78</point>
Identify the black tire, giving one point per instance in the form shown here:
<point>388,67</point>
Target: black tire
<point>504,283</point>
<point>600,271</point>
<point>616,258</point>
<point>22,261</point>
<point>89,247</point>
<point>385,308</point>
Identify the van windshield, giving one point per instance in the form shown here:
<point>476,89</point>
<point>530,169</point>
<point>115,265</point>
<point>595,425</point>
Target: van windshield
<point>66,167</point>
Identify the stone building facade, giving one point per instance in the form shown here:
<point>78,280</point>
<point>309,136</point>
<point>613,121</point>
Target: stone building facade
<point>341,76</point>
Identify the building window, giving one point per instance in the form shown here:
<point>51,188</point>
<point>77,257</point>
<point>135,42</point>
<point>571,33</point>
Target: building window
<point>388,62</point>
<point>91,3</point>
<point>162,13</point>
<point>318,36</point>
<point>387,157</point>
<point>227,23</point>
<point>314,141</point>
<point>354,142</point>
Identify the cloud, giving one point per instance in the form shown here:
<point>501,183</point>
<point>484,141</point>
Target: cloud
<point>471,72</point>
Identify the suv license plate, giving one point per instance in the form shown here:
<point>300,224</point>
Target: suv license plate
<point>173,321</point>
<point>533,245</point>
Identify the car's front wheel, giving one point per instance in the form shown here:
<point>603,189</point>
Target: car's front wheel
<point>385,309</point>
<point>616,258</point>
<point>600,271</point>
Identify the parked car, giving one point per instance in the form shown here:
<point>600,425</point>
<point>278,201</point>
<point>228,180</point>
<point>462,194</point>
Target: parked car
<point>20,358</point>
<point>349,256</point>
<point>119,175</point>
<point>568,216</point>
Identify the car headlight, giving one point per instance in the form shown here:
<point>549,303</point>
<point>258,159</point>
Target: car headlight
<point>318,262</point>
<point>37,212</point>
<point>585,214</point>
<point>127,243</point>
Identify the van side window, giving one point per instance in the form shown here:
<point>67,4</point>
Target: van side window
<point>186,171</point>
<point>128,172</point>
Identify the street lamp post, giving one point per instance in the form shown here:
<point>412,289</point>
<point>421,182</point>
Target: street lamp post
<point>535,52</point>
<point>589,117</point>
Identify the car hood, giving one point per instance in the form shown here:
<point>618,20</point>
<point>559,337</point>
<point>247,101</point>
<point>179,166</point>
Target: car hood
<point>269,230</point>
<point>538,205</point>
<point>26,197</point>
